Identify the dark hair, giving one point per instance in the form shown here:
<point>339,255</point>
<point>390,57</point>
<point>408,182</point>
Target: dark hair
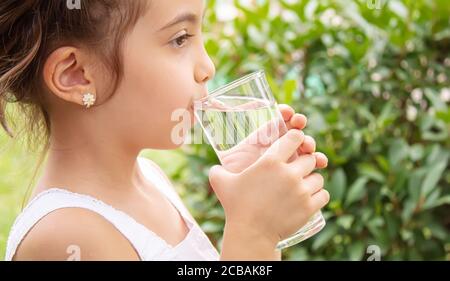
<point>30,30</point>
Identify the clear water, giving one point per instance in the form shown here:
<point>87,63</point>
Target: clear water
<point>229,121</point>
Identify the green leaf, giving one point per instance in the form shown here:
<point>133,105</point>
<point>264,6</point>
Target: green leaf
<point>416,152</point>
<point>345,221</point>
<point>435,154</point>
<point>398,151</point>
<point>433,202</point>
<point>438,231</point>
<point>356,251</point>
<point>432,199</point>
<point>211,226</point>
<point>274,87</point>
<point>356,191</point>
<point>392,225</point>
<point>289,87</point>
<point>398,8</point>
<point>256,35</point>
<point>371,172</point>
<point>408,210</point>
<point>375,226</point>
<point>436,131</point>
<point>337,186</point>
<point>414,181</point>
<point>324,236</point>
<point>382,162</point>
<point>444,115</point>
<point>431,94</point>
<point>432,177</point>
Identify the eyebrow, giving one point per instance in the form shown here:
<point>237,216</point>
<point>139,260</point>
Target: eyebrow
<point>184,17</point>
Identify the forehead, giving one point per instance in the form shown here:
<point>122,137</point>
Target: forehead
<point>160,12</point>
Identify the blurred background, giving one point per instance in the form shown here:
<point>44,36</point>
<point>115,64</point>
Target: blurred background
<point>372,76</point>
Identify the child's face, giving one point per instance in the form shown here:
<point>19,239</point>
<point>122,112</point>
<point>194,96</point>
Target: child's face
<point>164,71</point>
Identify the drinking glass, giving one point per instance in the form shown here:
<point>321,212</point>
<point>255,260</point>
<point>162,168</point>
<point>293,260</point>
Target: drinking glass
<point>241,120</point>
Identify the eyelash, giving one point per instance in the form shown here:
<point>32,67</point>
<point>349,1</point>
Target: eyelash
<point>183,37</point>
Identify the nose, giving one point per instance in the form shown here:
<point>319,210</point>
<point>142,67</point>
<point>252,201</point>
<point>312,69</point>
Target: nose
<point>205,69</point>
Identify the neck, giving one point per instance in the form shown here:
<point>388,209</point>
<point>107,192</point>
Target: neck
<point>90,163</point>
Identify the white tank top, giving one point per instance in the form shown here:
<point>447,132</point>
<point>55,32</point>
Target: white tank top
<point>149,246</point>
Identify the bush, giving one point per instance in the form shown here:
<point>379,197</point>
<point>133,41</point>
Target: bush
<point>372,77</point>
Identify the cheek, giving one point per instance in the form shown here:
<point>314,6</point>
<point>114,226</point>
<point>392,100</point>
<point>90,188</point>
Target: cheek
<point>151,92</point>
<point>162,90</point>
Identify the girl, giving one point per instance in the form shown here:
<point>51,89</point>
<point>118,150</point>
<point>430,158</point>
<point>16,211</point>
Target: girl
<point>103,78</point>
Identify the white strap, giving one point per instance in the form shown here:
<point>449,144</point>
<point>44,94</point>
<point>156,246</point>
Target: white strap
<point>159,179</point>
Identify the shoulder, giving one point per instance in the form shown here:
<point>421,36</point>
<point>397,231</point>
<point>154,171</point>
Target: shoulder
<point>74,234</point>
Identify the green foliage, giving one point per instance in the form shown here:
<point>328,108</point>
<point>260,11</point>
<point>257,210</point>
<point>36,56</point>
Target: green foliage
<point>16,169</point>
<point>374,83</point>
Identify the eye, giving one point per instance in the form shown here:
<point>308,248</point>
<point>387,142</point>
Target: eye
<point>180,41</point>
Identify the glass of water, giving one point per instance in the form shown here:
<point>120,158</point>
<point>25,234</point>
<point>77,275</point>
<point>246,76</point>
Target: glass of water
<point>241,120</point>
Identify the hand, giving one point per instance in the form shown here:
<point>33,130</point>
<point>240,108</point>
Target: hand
<point>273,197</point>
<point>249,150</point>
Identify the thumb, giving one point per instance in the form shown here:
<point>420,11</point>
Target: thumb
<point>218,176</point>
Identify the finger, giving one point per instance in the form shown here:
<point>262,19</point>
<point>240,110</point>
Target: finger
<point>217,175</point>
<point>321,160</point>
<point>308,146</point>
<point>313,182</point>
<point>245,106</point>
<point>303,165</point>
<point>298,121</point>
<point>284,147</point>
<point>286,111</point>
<point>320,199</point>
<point>267,133</point>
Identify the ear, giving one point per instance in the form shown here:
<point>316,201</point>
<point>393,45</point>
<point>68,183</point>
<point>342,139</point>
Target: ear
<point>68,74</point>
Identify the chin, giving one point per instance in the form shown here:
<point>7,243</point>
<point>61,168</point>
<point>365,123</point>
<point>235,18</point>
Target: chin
<point>165,146</point>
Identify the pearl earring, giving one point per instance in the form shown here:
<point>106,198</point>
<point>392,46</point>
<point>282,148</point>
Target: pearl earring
<point>88,100</point>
